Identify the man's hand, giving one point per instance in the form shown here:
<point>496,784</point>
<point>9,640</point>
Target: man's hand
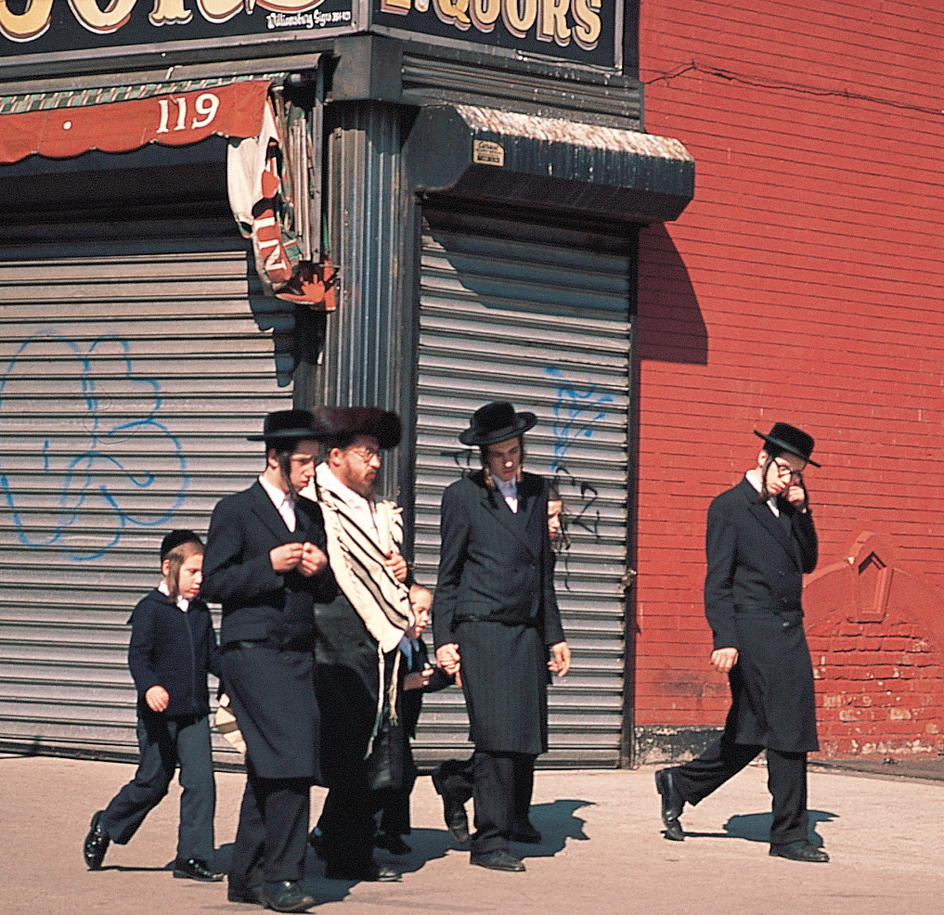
<point>157,698</point>
<point>560,659</point>
<point>447,657</point>
<point>397,565</point>
<point>286,557</point>
<point>723,659</point>
<point>796,495</point>
<point>313,560</point>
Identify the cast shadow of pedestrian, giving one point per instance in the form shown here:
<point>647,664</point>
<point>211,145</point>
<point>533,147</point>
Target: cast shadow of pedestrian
<point>755,827</point>
<point>557,822</point>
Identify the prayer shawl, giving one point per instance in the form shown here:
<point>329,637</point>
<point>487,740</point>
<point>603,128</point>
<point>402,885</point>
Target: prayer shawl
<point>357,560</point>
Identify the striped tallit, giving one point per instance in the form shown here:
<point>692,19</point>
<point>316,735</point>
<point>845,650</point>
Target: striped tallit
<point>357,559</point>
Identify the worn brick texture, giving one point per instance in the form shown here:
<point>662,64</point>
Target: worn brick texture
<point>803,283</point>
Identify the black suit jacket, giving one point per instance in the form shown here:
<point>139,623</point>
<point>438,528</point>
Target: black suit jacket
<point>258,602</point>
<point>267,629</point>
<point>753,602</point>
<point>495,599</point>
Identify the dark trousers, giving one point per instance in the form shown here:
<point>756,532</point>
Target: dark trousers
<point>273,831</point>
<point>500,785</point>
<point>165,742</point>
<point>786,780</point>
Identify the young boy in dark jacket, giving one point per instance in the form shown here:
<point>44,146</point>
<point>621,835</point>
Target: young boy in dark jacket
<point>173,647</point>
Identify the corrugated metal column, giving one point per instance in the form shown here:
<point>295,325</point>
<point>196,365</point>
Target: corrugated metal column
<point>364,350</point>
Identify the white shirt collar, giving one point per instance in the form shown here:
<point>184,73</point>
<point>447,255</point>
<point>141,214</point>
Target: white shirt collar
<point>753,477</point>
<point>284,503</point>
<point>182,602</point>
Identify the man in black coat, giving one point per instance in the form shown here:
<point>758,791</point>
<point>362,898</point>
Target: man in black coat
<point>497,624</point>
<point>760,541</point>
<point>266,563</point>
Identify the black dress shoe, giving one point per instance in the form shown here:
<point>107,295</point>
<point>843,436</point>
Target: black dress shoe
<point>672,805</point>
<point>799,851</point>
<point>96,844</point>
<point>524,831</point>
<point>195,869</point>
<point>498,860</point>
<point>286,896</point>
<point>453,811</point>
<point>368,873</point>
<point>394,844</point>
<point>250,894</point>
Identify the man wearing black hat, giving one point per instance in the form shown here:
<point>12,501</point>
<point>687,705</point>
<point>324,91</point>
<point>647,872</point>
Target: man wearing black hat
<point>496,623</point>
<point>358,633</point>
<point>760,542</point>
<point>266,564</point>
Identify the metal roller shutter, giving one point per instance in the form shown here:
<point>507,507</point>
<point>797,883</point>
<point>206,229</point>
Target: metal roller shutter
<point>135,358</point>
<point>540,318</point>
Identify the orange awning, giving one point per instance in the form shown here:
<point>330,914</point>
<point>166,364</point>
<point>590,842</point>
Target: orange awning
<point>171,119</point>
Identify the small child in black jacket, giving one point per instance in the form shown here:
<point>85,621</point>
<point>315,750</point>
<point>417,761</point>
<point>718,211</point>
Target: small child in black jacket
<point>173,647</point>
<point>419,676</point>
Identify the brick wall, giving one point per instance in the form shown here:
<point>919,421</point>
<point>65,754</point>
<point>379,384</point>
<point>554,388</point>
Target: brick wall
<point>803,283</point>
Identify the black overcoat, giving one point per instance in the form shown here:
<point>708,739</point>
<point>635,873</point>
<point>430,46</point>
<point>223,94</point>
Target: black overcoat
<point>753,591</point>
<point>271,685</point>
<point>495,599</point>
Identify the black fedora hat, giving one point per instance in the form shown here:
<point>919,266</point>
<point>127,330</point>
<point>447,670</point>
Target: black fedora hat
<point>496,422</point>
<point>788,438</point>
<point>338,424</point>
<point>286,426</point>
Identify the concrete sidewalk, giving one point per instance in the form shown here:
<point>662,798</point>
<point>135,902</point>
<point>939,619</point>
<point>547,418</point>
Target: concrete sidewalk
<point>603,851</point>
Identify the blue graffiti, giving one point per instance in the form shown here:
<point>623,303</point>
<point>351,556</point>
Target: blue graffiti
<point>71,470</point>
<point>575,412</point>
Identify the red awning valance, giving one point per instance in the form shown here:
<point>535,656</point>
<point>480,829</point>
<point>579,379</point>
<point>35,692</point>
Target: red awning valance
<point>171,119</point>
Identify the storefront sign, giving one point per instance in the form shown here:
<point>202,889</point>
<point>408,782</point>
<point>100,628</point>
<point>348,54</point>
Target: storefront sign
<point>41,26</point>
<point>582,31</point>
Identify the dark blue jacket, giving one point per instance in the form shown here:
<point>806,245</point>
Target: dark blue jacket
<point>175,650</point>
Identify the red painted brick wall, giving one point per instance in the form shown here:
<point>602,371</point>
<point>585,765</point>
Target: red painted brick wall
<point>803,283</point>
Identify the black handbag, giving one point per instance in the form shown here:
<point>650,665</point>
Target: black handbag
<point>385,765</point>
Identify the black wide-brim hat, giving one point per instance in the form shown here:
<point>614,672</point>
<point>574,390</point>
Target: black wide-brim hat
<point>497,422</point>
<point>347,422</point>
<point>789,438</point>
<point>287,426</point>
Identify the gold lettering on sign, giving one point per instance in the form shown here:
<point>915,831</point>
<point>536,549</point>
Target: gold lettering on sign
<point>485,152</point>
<point>519,16</point>
<point>102,21</point>
<point>485,14</point>
<point>587,26</point>
<point>169,12</point>
<point>25,26</point>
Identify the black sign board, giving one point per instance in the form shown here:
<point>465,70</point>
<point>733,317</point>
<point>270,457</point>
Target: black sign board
<point>48,26</point>
<point>581,31</point>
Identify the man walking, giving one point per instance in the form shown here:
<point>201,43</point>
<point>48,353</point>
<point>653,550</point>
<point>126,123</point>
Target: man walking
<point>359,632</point>
<point>266,564</point>
<point>760,541</point>
<point>496,623</point>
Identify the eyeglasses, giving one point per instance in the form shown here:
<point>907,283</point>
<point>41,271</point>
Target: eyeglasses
<point>366,454</point>
<point>785,470</point>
